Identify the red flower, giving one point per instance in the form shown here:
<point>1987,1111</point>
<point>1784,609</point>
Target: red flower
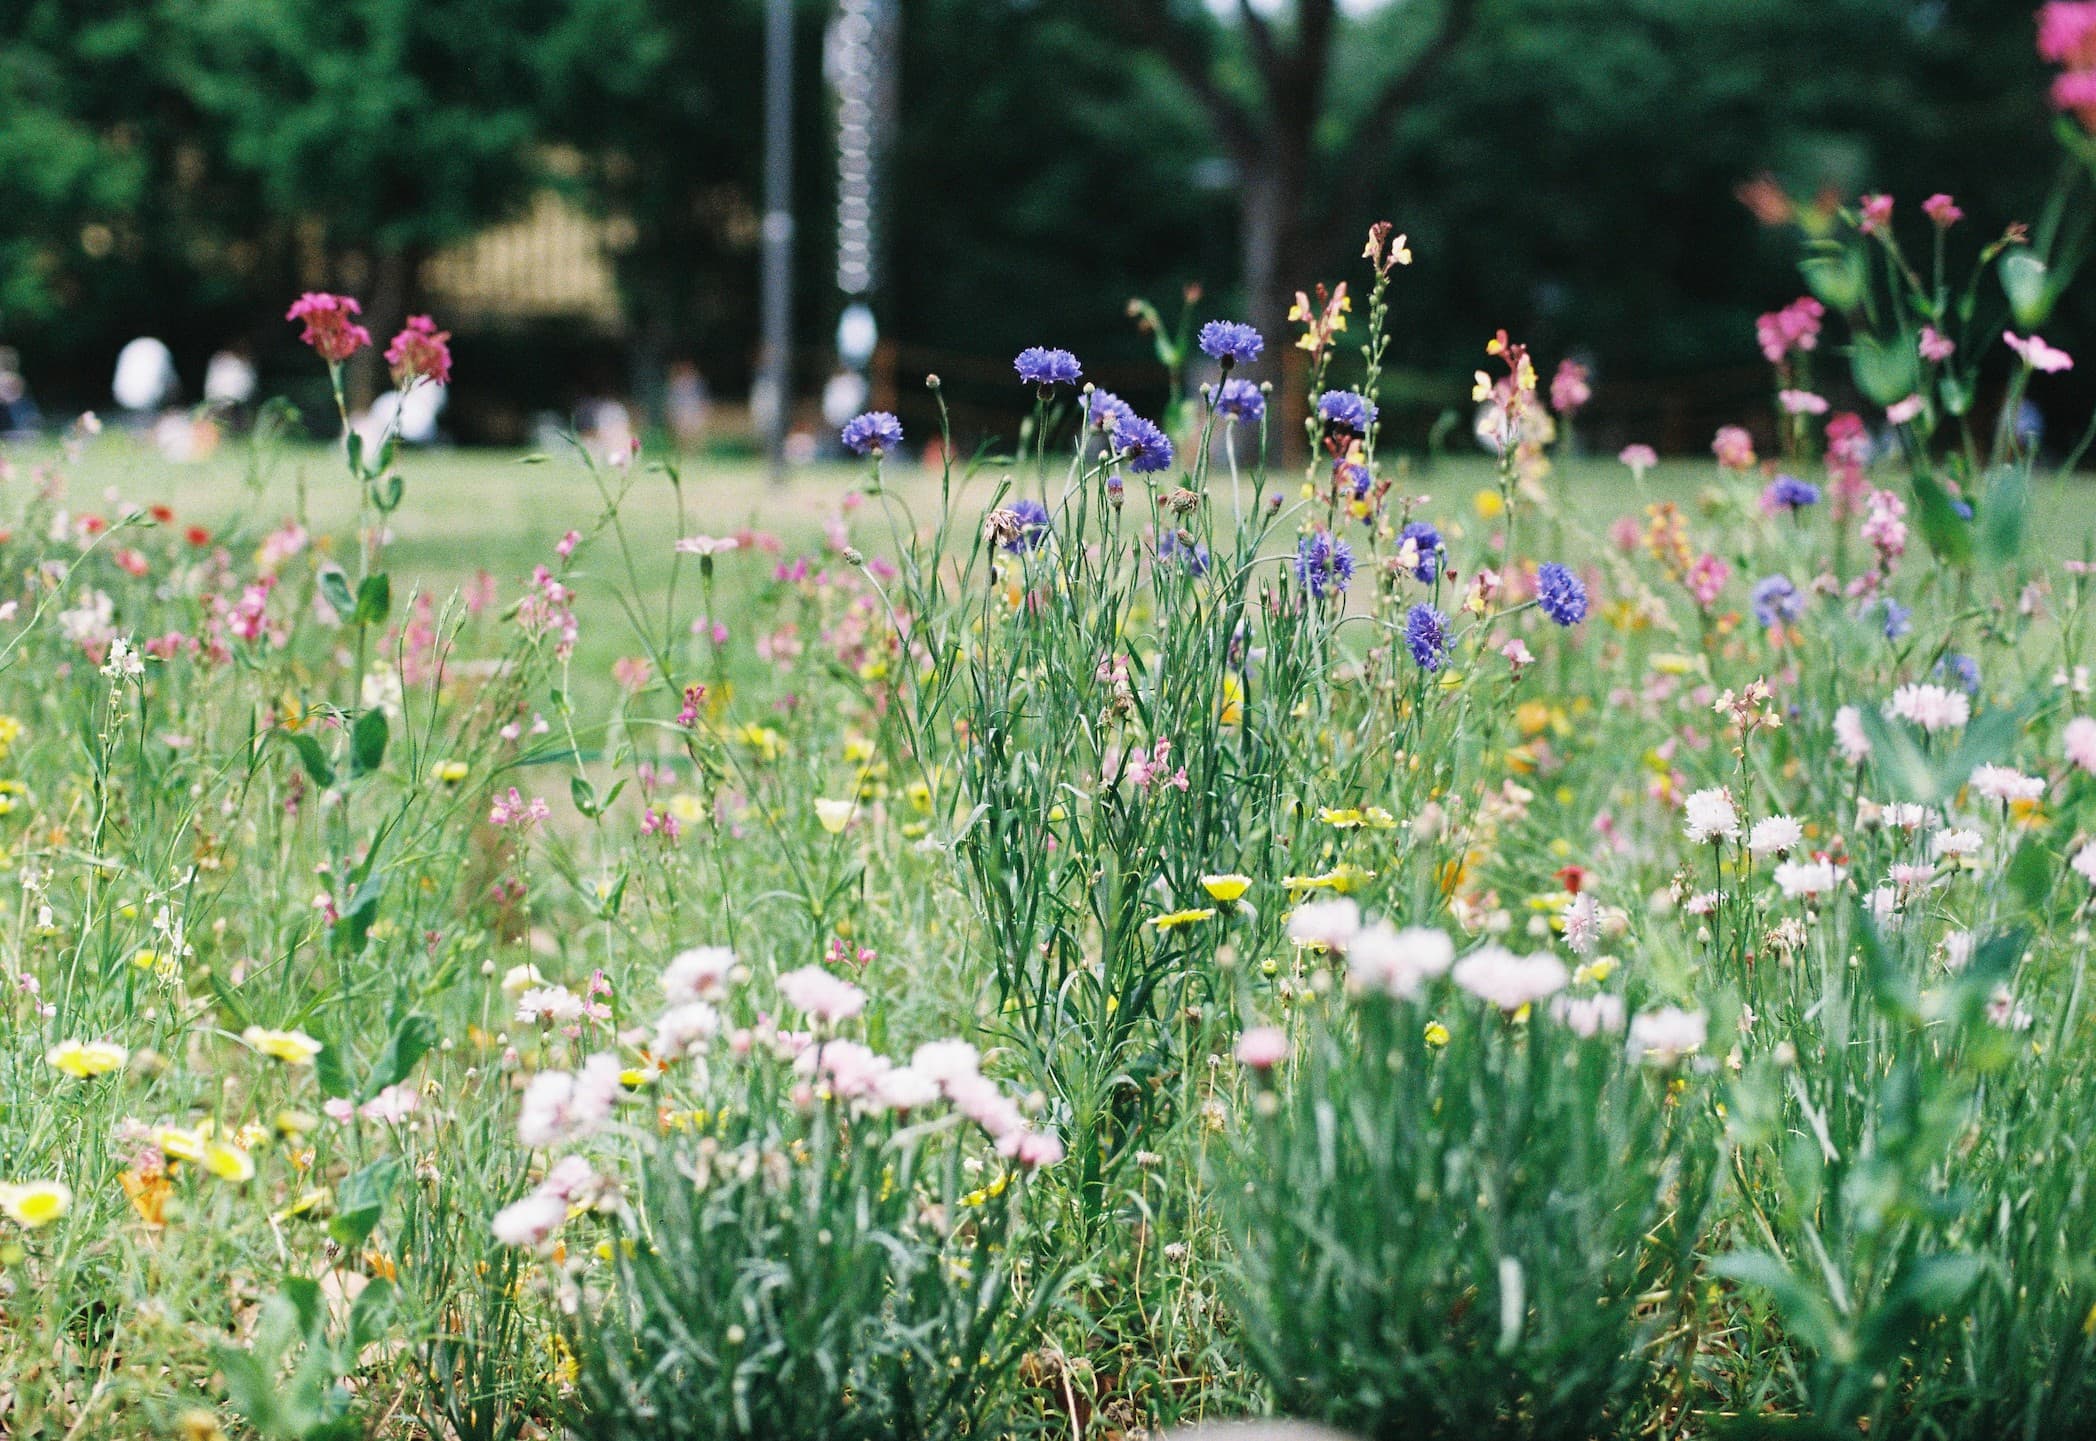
<point>330,325</point>
<point>197,536</point>
<point>420,352</point>
<point>162,513</point>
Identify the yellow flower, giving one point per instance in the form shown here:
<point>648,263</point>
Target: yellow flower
<point>1226,888</point>
<point>858,748</point>
<point>686,807</point>
<point>1341,879</point>
<point>1344,819</point>
<point>1171,920</point>
<point>1233,701</point>
<point>10,732</point>
<point>179,1144</point>
<point>919,795</point>
<point>226,1161</point>
<point>36,1203</point>
<point>835,815</point>
<point>450,773</point>
<point>1489,504</point>
<point>84,1060</point>
<point>293,1048</point>
<point>1597,970</point>
<point>1436,1034</point>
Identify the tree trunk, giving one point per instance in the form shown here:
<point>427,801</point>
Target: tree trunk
<point>392,292</point>
<point>1270,219</point>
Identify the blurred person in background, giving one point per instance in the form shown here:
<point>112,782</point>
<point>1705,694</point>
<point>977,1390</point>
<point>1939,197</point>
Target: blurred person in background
<point>19,416</point>
<point>229,384</point>
<point>687,405</point>
<point>145,378</point>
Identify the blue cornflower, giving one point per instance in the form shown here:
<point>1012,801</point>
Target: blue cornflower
<point>1427,540</point>
<point>1241,400</point>
<point>1323,564</point>
<point>1032,517</point>
<point>1148,449</point>
<point>1191,556</point>
<point>1961,509</point>
<point>1790,493</point>
<point>1040,366</point>
<point>874,433</point>
<point>1562,594</point>
<point>1426,636</point>
<point>1105,409</point>
<point>1356,477</point>
<point>1961,668</point>
<point>1231,342</point>
<point>1345,410</point>
<point>1775,599</point>
<point>1897,617</point>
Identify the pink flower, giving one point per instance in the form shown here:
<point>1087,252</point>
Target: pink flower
<point>1877,214</point>
<point>1802,402</point>
<point>1569,388</point>
<point>1902,411</point>
<point>2037,354</point>
<point>1262,1047</point>
<point>1640,458</point>
<point>1032,1149</point>
<point>514,810</point>
<point>1936,347</point>
<point>420,352</point>
<point>330,325</point>
<point>1706,578</point>
<point>2076,91</point>
<point>1794,327</point>
<point>1942,210</point>
<point>1734,448</point>
<point>2067,33</point>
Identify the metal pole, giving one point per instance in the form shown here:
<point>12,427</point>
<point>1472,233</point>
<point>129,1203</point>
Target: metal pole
<point>775,365</point>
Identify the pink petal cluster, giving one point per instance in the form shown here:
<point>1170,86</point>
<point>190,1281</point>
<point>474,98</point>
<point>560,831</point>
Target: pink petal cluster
<point>1795,327</point>
<point>330,325</point>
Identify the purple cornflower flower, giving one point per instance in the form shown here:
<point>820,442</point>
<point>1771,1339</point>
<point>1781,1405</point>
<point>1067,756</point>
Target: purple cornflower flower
<point>1231,342</point>
<point>1032,519</point>
<point>1105,410</point>
<point>1345,410</point>
<point>1427,541</point>
<point>1787,492</point>
<point>1323,564</point>
<point>1148,449</point>
<point>875,433</point>
<point>1562,594</point>
<point>1190,556</point>
<point>1040,366</point>
<point>1776,599</point>
<point>1241,400</point>
<point>1426,636</point>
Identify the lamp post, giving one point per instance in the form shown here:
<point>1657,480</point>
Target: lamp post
<point>773,398</point>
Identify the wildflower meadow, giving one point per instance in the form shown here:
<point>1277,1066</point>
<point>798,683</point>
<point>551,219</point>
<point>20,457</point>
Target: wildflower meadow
<point>1127,930</point>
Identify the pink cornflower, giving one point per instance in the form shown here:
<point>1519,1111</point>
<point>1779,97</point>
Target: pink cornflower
<point>330,325</point>
<point>823,996</point>
<point>1935,346</point>
<point>1640,458</point>
<point>1802,402</point>
<point>1877,214</point>
<point>2079,740</point>
<point>2037,354</point>
<point>1734,448</point>
<point>632,673</point>
<point>420,352</point>
<point>1942,211</point>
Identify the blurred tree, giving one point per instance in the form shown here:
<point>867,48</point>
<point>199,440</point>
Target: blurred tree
<point>378,130</point>
<point>1266,94</point>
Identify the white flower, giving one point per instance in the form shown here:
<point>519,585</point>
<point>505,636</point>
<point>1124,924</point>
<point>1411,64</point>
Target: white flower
<point>1848,734</point>
<point>555,1004</point>
<point>905,1088</point>
<point>1332,924</point>
<point>1883,905</point>
<point>1588,1016</point>
<point>1711,816</point>
<point>1806,878</point>
<point>558,1106</point>
<point>1932,707</point>
<point>1509,981</point>
<point>826,997</point>
<point>519,979</point>
<point>684,1030</point>
<point>124,663</point>
<point>1583,924</point>
<point>1666,1035</point>
<point>1774,836</point>
<point>1397,963</point>
<point>1955,843</point>
<point>531,1221</point>
<point>946,1062</point>
<point>2005,783</point>
<point>2084,862</point>
<point>2079,739</point>
<point>984,1102</point>
<point>1957,950</point>
<point>699,974</point>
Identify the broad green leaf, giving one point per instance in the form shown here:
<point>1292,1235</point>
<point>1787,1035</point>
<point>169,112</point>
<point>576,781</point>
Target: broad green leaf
<point>312,757</point>
<point>374,600</point>
<point>367,742</point>
<point>2028,284</point>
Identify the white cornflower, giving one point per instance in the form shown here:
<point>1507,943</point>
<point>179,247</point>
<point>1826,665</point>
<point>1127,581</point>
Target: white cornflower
<point>1774,836</point>
<point>1711,816</point>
